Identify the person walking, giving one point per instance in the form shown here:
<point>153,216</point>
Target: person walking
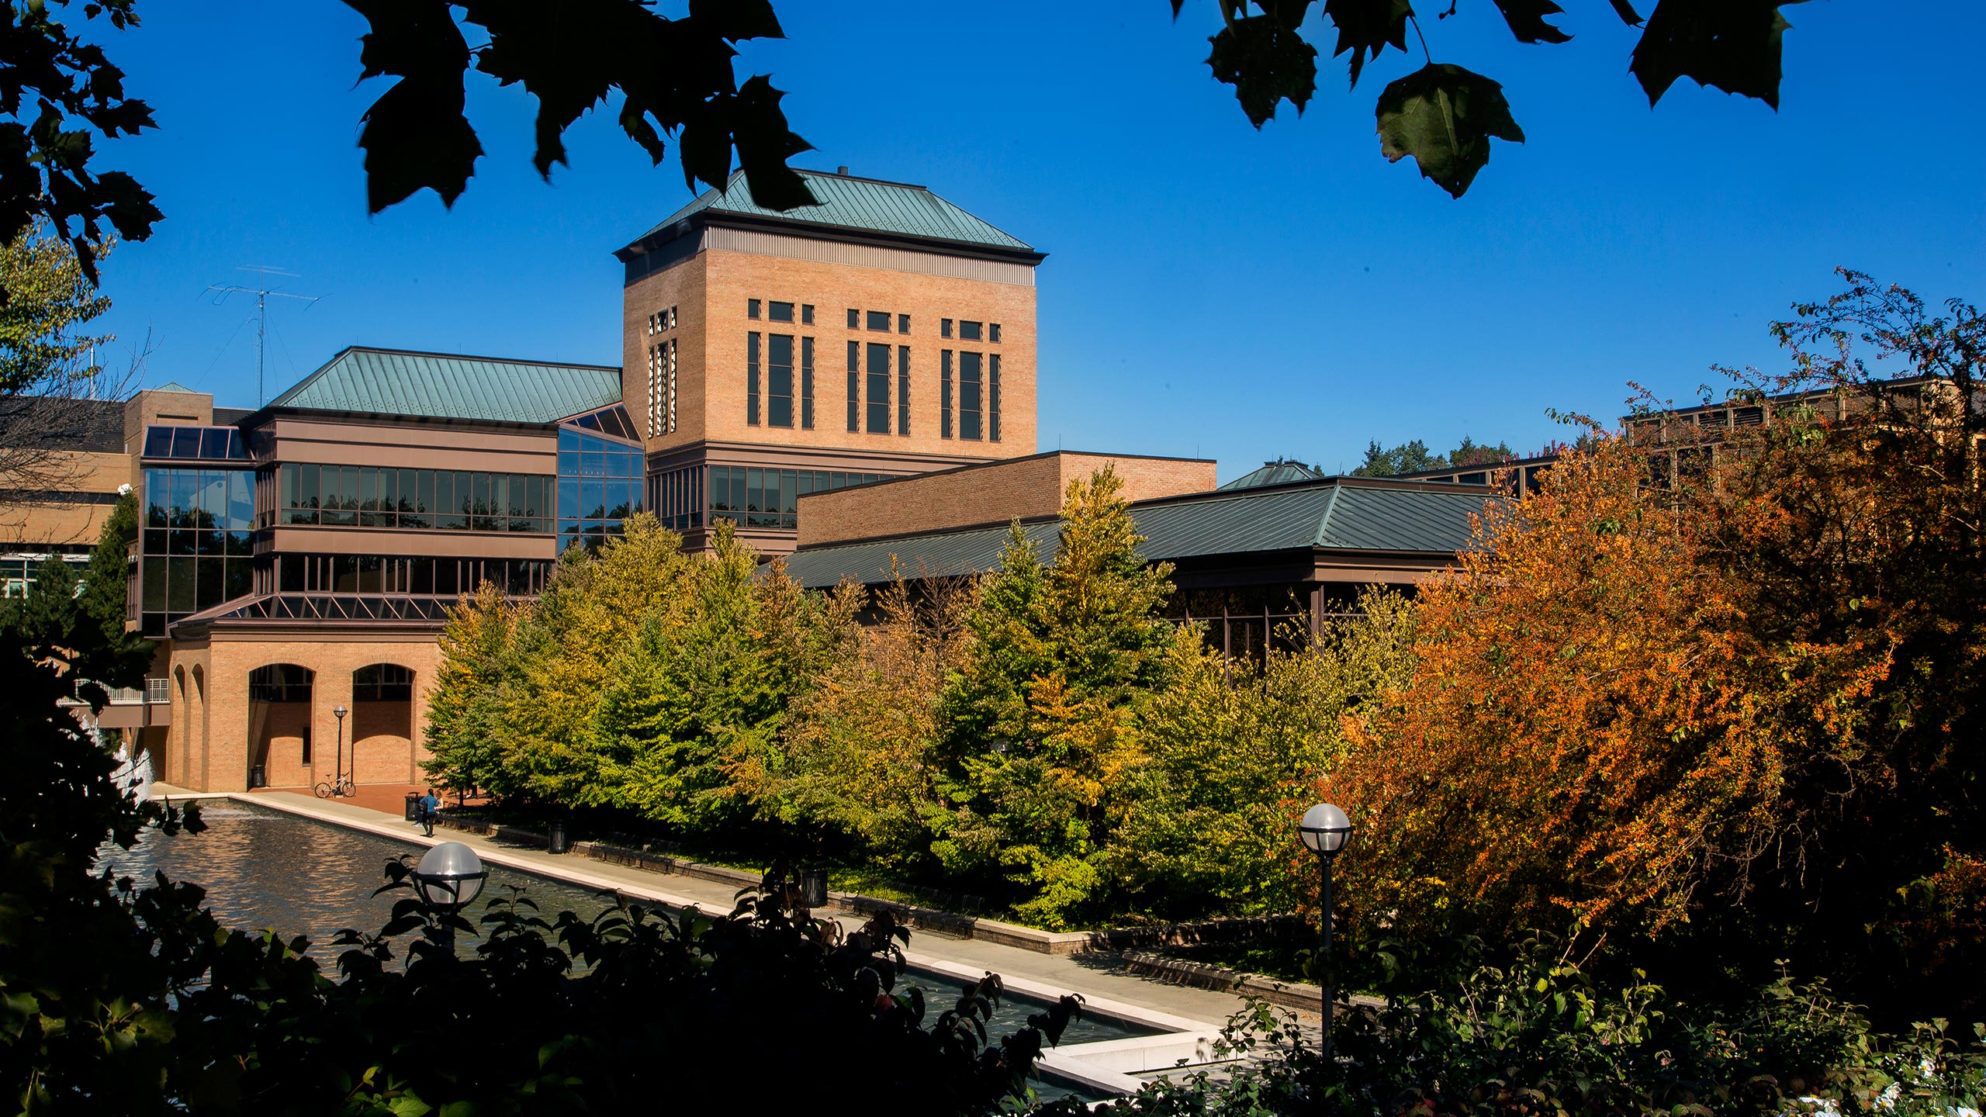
<point>430,807</point>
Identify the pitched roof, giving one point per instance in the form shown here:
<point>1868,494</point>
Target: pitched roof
<point>449,386</point>
<point>1282,471</point>
<point>864,205</point>
<point>1335,514</point>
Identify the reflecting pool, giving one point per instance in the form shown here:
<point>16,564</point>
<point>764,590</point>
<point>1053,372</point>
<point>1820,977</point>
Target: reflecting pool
<point>264,868</point>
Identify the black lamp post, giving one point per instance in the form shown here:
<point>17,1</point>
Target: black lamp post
<point>448,879</point>
<point>338,757</point>
<point>1324,831</point>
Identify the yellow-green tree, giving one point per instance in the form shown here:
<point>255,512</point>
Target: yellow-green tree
<point>594,608</point>
<point>856,754</point>
<point>689,717</point>
<point>466,727</point>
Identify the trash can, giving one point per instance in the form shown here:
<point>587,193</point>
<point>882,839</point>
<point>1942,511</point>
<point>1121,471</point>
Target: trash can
<point>555,831</point>
<point>413,806</point>
<point>257,777</point>
<point>813,888</point>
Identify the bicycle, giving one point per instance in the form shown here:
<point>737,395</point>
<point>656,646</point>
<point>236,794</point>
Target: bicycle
<point>342,787</point>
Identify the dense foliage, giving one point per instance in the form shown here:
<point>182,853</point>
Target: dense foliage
<point>1736,711</point>
<point>1026,739</point>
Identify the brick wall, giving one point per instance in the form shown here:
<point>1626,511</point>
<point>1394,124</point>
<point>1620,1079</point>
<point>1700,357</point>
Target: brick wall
<point>982,494</point>
<point>213,741</point>
<point>711,292</point>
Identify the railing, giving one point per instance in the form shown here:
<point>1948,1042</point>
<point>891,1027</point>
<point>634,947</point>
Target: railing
<point>157,692</point>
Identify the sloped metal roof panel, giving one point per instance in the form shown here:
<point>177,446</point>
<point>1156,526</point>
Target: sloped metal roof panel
<point>446,386</point>
<point>1332,516</point>
<point>862,204</point>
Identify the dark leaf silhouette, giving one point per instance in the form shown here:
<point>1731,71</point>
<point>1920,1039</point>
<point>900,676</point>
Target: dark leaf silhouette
<point>1445,116</point>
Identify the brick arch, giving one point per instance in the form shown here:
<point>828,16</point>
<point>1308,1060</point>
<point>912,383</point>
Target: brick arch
<point>382,723</point>
<point>280,716</point>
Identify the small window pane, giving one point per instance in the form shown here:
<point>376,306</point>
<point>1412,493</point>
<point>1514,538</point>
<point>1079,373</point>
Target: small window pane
<point>806,314</point>
<point>879,320</point>
<point>968,331</point>
<point>944,327</point>
<point>854,318</point>
<point>752,308</point>
<point>779,312</point>
<point>903,323</point>
<point>993,331</point>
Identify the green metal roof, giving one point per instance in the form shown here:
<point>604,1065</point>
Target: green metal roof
<point>1336,514</point>
<point>861,204</point>
<point>1282,471</point>
<point>448,386</point>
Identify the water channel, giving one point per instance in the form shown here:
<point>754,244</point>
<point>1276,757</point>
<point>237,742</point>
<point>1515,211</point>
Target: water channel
<point>267,869</point>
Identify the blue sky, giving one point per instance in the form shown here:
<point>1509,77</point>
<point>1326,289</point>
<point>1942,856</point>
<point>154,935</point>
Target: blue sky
<point>1210,290</point>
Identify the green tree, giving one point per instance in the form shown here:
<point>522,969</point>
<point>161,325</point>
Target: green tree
<point>81,612</point>
<point>1038,729</point>
<point>691,720</point>
<point>466,725</point>
<point>1414,457</point>
<point>1231,755</point>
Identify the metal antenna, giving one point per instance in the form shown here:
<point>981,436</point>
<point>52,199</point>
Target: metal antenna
<point>262,291</point>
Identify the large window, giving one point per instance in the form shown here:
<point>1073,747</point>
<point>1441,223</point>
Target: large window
<point>195,443</point>
<point>779,380</point>
<point>755,497</point>
<point>413,574</point>
<point>972,400</point>
<point>978,395</point>
<point>752,346</point>
<point>879,388</point>
<point>195,548</point>
<point>413,499</point>
<point>600,485</point>
<point>677,497</point>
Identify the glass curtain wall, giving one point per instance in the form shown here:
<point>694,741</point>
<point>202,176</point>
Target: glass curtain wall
<point>195,549</point>
<point>600,485</point>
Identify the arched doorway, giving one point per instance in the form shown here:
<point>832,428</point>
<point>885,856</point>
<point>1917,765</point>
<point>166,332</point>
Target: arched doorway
<point>279,746</point>
<point>382,724</point>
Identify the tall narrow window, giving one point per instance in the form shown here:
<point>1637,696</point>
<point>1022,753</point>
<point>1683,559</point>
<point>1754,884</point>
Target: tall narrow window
<point>672,386</point>
<point>903,389</point>
<point>854,319</point>
<point>807,383</point>
<point>854,385</point>
<point>752,379</point>
<point>779,380</point>
<point>806,314</point>
<point>993,397</point>
<point>971,397</point>
<point>945,394</point>
<point>752,309</point>
<point>993,332</point>
<point>879,388</point>
<point>944,327</point>
<point>656,356</point>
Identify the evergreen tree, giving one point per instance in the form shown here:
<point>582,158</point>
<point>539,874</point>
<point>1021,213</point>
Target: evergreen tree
<point>465,725</point>
<point>1038,727</point>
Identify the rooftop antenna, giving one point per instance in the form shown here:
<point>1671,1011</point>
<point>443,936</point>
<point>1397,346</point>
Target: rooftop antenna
<point>262,291</point>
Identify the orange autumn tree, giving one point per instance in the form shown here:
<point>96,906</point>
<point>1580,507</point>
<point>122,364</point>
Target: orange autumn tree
<point>1585,732</point>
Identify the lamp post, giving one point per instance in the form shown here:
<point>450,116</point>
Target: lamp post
<point>338,757</point>
<point>448,879</point>
<point>1324,831</point>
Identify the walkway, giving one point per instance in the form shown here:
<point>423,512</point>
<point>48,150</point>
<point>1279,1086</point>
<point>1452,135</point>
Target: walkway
<point>1197,1009</point>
